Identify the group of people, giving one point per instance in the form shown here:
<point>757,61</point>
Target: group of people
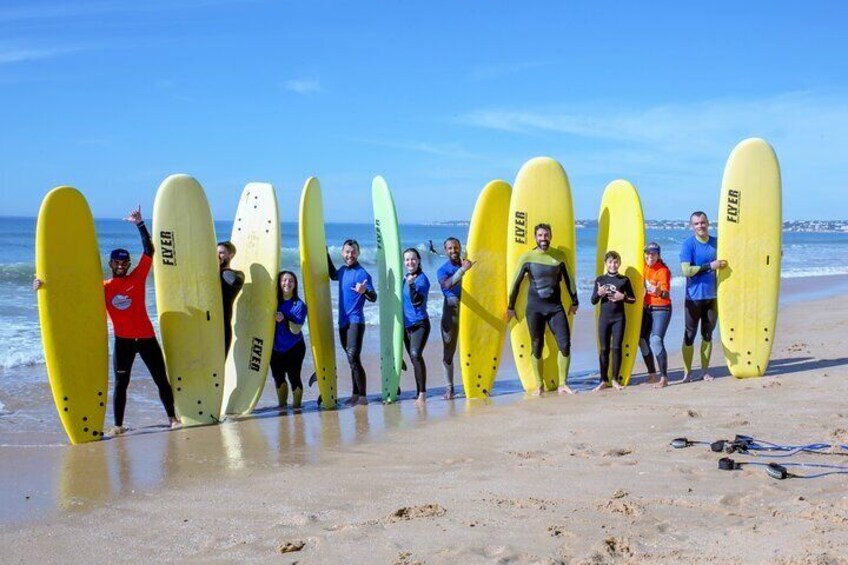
<point>544,267</point>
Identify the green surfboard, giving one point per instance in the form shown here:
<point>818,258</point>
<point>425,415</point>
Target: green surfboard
<point>389,287</point>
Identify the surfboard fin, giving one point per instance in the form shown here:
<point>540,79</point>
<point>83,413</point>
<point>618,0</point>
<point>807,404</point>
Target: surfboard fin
<point>313,379</point>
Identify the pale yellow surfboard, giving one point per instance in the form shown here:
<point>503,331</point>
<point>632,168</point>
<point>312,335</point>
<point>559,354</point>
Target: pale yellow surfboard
<point>541,194</point>
<point>316,290</point>
<point>256,235</point>
<point>72,311</point>
<point>188,299</point>
<point>621,228</point>
<point>749,239</point>
<point>482,305</point>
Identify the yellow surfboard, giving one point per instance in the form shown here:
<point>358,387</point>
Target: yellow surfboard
<point>72,312</point>
<point>621,228</point>
<point>256,235</point>
<point>188,299</point>
<point>482,305</point>
<point>749,239</point>
<point>316,290</point>
<point>541,194</point>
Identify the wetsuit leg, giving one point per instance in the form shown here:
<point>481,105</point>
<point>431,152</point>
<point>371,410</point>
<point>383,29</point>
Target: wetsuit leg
<point>293,364</point>
<point>536,325</point>
<point>351,338</point>
<point>151,354</point>
<point>661,318</point>
<point>415,339</point>
<point>645,340</point>
<point>450,333</point>
<point>604,336</point>
<point>691,318</point>
<point>617,331</point>
<point>558,322</point>
<point>122,362</point>
<point>277,368</point>
<point>228,337</point>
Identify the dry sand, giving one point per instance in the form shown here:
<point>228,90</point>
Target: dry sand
<point>580,479</point>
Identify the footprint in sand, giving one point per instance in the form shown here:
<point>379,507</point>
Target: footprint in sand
<point>416,512</point>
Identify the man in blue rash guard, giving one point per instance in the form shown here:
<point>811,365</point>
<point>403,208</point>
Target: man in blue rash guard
<point>449,276</point>
<point>355,287</point>
<point>698,263</point>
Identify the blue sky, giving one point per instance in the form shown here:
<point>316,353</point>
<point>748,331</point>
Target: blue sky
<point>439,97</point>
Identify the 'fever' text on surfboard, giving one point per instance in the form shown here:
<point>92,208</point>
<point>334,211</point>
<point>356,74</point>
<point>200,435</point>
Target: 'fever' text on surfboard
<point>166,248</point>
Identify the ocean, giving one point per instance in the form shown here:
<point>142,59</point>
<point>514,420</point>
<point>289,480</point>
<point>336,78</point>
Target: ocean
<point>21,357</point>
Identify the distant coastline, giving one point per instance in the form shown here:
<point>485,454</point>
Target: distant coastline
<point>799,226</point>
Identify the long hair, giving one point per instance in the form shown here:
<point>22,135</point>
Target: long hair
<point>280,290</point>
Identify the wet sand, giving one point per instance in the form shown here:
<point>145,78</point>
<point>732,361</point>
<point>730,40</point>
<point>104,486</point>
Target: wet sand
<point>586,479</point>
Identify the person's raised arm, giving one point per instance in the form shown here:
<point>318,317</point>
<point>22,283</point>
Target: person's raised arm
<point>146,241</point>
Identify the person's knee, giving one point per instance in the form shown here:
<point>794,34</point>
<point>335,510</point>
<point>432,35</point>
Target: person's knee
<point>536,347</point>
<point>688,338</point>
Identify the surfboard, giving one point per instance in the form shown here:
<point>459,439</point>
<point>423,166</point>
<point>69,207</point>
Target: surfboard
<point>541,194</point>
<point>72,312</point>
<point>188,299</point>
<point>316,290</point>
<point>389,287</point>
<point>749,239</point>
<point>256,235</point>
<point>621,227</point>
<point>482,305</point>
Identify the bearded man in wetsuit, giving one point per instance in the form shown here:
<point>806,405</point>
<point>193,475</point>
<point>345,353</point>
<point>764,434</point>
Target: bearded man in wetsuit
<point>545,268</point>
<point>231,283</point>
<point>125,294</point>
<point>450,281</point>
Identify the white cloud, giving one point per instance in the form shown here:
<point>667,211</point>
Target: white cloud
<point>303,86</point>
<point>14,55</point>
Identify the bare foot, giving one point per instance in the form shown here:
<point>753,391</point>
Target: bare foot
<point>662,383</point>
<point>361,400</point>
<point>115,431</point>
<point>353,400</point>
<point>601,386</point>
<point>652,378</point>
<point>617,385</point>
<point>449,394</point>
<point>565,389</point>
<point>175,423</point>
<point>687,377</point>
<point>539,391</point>
<point>422,398</point>
<point>707,377</point>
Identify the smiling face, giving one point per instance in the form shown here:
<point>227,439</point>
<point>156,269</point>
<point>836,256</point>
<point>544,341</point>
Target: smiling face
<point>350,253</point>
<point>612,265</point>
<point>543,239</point>
<point>453,250</point>
<point>288,284</point>
<point>119,267</point>
<point>651,258</point>
<point>411,261</point>
<point>700,225</point>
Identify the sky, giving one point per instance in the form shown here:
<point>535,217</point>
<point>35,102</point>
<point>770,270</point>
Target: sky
<point>438,97</point>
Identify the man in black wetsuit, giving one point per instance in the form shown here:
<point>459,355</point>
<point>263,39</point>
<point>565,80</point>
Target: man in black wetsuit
<point>545,267</point>
<point>231,283</point>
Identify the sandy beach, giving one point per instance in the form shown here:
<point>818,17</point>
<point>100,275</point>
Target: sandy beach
<point>589,478</point>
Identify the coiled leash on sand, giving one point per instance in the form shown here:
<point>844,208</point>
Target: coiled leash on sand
<point>747,445</point>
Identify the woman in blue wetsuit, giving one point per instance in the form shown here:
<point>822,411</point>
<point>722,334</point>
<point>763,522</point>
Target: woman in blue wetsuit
<point>416,321</point>
<point>355,287</point>
<point>289,345</point>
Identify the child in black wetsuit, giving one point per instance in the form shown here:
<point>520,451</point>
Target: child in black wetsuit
<point>613,291</point>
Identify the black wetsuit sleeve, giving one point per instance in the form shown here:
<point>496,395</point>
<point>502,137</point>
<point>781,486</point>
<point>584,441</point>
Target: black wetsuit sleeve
<point>627,290</point>
<point>331,269</point>
<point>233,279</point>
<point>516,285</point>
<point>564,272</point>
<point>371,295</point>
<point>595,296</point>
<point>415,297</point>
<point>146,242</point>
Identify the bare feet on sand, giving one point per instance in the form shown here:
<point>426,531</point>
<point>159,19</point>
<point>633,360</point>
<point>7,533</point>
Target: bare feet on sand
<point>449,394</point>
<point>601,386</point>
<point>174,423</point>
<point>361,401</point>
<point>662,383</point>
<point>115,431</point>
<point>706,376</point>
<point>687,378</point>
<point>565,389</point>
<point>422,398</point>
<point>652,378</point>
<point>617,385</point>
<point>538,392</point>
<point>353,400</point>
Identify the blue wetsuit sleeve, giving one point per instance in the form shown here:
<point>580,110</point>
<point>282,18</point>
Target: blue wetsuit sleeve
<point>298,313</point>
<point>418,290</point>
<point>516,285</point>
<point>146,242</point>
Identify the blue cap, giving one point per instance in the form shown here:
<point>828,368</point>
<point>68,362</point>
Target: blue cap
<point>652,248</point>
<point>120,255</point>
